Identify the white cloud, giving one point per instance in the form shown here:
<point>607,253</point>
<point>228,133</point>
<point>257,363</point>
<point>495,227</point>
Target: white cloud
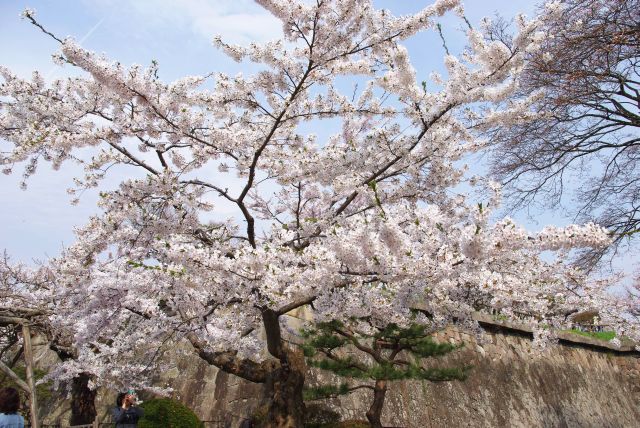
<point>238,21</point>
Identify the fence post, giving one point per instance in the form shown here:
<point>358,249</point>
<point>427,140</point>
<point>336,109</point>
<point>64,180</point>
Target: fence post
<point>28,359</point>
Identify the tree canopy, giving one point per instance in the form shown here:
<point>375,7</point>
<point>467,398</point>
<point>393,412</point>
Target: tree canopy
<point>576,145</point>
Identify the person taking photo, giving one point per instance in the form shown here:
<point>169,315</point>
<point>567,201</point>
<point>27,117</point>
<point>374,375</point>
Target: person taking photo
<point>126,414</point>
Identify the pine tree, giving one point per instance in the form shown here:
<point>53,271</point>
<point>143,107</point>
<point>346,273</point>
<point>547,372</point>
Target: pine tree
<point>394,353</point>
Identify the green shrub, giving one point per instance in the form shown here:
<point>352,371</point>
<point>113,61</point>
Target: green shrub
<point>167,413</point>
<point>43,390</point>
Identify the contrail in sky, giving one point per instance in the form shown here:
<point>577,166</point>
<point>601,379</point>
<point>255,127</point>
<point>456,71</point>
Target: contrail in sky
<point>90,32</point>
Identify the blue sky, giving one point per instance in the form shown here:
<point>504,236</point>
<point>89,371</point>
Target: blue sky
<point>37,223</point>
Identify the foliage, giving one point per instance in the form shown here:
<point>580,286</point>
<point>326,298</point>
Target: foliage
<point>389,353</point>
<point>167,413</point>
<point>321,348</point>
<point>600,335</point>
<point>324,391</point>
<point>43,390</point>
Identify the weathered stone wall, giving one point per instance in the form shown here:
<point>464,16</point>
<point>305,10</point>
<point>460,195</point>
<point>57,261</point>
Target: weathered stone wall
<point>511,386</point>
<point>573,384</point>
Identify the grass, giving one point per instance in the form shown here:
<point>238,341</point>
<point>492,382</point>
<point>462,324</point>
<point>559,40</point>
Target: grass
<point>600,335</point>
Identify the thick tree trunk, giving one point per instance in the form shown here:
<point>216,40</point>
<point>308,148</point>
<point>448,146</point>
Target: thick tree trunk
<point>283,391</point>
<point>83,408</point>
<point>83,399</point>
<point>374,414</point>
<point>284,383</point>
<point>283,375</point>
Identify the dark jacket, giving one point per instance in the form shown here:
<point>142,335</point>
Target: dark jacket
<point>127,418</point>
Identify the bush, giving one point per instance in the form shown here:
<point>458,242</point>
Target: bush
<point>43,390</point>
<point>167,413</point>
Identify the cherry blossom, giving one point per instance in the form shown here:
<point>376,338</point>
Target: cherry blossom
<point>368,223</point>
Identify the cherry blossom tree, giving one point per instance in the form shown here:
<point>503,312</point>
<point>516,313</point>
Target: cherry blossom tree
<point>27,294</point>
<point>368,223</point>
<point>34,295</point>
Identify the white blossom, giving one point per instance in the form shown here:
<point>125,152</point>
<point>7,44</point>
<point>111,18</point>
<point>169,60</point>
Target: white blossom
<point>364,224</point>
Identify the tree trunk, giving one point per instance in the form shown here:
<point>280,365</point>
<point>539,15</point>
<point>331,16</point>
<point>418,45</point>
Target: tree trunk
<point>83,408</point>
<point>284,383</point>
<point>374,414</point>
<point>83,399</point>
<point>282,375</point>
<point>283,391</point>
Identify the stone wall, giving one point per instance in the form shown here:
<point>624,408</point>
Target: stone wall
<point>577,383</point>
<point>569,385</point>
